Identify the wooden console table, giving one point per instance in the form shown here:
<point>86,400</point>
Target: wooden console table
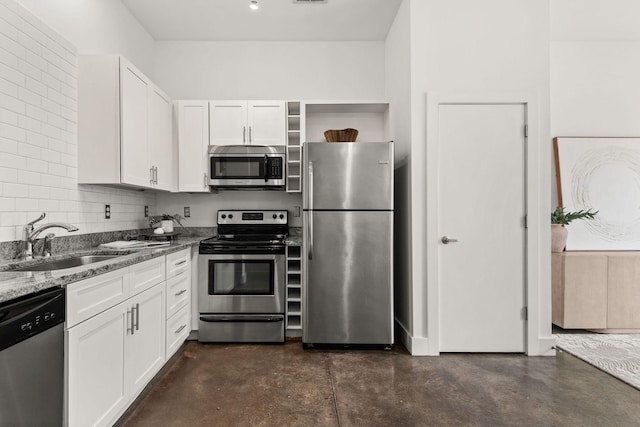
<point>598,291</point>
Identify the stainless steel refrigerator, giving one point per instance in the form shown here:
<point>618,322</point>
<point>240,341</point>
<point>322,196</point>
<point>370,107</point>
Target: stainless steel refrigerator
<point>347,260</point>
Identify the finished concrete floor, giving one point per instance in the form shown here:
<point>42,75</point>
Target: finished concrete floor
<point>284,385</point>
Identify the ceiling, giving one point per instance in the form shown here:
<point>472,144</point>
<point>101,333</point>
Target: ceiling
<point>276,20</point>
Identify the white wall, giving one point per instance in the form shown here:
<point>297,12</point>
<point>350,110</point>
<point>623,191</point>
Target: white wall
<point>271,70</point>
<point>398,92</point>
<point>263,70</point>
<point>595,69</point>
<point>38,136</point>
<point>98,26</point>
<point>481,48</point>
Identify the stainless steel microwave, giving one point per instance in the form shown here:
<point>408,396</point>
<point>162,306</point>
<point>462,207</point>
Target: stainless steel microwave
<point>247,167</point>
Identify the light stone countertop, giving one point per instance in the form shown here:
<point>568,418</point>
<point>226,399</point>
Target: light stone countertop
<point>14,284</point>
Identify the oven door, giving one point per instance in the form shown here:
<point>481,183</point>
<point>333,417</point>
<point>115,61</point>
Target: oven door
<point>238,283</point>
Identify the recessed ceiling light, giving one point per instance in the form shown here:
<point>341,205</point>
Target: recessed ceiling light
<point>253,5</point>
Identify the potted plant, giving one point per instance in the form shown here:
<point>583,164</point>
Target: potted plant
<point>560,218</point>
<point>165,221</point>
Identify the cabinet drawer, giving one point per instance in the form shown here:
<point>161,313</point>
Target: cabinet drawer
<point>146,274</point>
<point>89,297</point>
<point>178,292</point>
<point>178,262</point>
<point>178,329</point>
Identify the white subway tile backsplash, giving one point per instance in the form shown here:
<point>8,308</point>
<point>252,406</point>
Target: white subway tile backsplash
<point>7,204</point>
<point>57,169</point>
<point>10,189</point>
<point>28,150</point>
<point>13,104</point>
<point>27,205</point>
<point>8,175</point>
<point>38,135</point>
<point>9,59</point>
<point>27,177</point>
<point>12,45</point>
<point>12,132</point>
<point>8,146</point>
<point>8,117</point>
<point>8,88</point>
<point>29,124</point>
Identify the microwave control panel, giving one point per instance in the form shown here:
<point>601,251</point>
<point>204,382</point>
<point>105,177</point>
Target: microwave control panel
<point>275,167</point>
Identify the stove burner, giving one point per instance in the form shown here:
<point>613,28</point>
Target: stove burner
<point>248,232</point>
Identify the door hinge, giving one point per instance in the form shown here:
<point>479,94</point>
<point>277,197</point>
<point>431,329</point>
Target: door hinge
<point>525,313</point>
<point>526,131</point>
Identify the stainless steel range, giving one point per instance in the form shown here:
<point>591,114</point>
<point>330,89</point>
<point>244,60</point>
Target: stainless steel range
<point>241,278</point>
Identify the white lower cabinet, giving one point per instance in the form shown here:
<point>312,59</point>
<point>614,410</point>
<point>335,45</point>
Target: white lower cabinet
<point>145,346</point>
<point>113,354</point>
<point>97,388</point>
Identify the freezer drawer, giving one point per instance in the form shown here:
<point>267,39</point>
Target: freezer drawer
<point>241,328</point>
<point>348,265</point>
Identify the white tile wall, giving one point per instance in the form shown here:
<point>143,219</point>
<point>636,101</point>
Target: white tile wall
<point>38,136</point>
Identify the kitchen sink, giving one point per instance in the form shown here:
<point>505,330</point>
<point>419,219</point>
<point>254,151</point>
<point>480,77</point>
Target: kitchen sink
<point>60,264</point>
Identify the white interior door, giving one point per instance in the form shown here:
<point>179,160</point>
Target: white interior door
<point>482,205</point>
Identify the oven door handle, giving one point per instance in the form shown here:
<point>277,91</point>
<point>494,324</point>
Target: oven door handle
<point>240,318</point>
<point>266,167</point>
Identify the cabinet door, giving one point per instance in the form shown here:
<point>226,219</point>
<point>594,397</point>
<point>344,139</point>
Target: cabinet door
<point>97,390</point>
<point>161,148</point>
<point>267,125</point>
<point>228,122</point>
<point>145,350</point>
<point>623,289</point>
<point>134,132</point>
<point>178,292</point>
<point>193,139</point>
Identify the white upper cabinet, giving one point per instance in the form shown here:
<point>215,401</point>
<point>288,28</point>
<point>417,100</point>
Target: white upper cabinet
<point>247,122</point>
<point>124,126</point>
<point>193,139</point>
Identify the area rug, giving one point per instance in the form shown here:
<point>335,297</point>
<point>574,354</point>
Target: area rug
<point>615,354</point>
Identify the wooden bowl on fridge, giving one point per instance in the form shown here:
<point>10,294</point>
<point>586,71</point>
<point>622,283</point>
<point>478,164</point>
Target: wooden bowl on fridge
<point>341,135</point>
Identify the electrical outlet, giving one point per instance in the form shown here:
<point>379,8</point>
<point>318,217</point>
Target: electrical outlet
<point>107,211</point>
<point>187,212</point>
<point>146,211</point>
<point>296,211</point>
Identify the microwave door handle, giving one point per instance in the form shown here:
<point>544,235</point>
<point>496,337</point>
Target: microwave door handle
<point>266,168</point>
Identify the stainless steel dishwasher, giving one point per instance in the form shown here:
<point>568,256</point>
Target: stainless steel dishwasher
<point>32,359</point>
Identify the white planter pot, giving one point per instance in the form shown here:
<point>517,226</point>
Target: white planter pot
<point>167,225</point>
<point>559,235</point>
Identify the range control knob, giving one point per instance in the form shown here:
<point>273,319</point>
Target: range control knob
<point>275,216</point>
<point>223,216</point>
<point>281,216</point>
<point>230,216</point>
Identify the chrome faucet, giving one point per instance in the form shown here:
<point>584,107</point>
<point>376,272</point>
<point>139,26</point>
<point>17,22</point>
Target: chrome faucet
<point>29,234</point>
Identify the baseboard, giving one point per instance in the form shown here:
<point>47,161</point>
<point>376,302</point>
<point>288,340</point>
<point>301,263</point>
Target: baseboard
<point>417,346</point>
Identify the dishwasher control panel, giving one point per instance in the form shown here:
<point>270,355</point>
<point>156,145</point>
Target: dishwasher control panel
<point>29,315</point>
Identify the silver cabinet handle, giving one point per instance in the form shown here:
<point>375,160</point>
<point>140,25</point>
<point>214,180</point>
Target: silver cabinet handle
<point>250,137</point>
<point>137,308</point>
<point>151,175</point>
<point>446,240</point>
<point>205,180</point>
<point>180,293</point>
<point>180,263</point>
<point>180,329</point>
<point>310,254</point>
<point>155,175</point>
<point>244,134</point>
<point>130,329</point>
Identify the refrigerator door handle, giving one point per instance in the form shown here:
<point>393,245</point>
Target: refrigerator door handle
<point>310,254</point>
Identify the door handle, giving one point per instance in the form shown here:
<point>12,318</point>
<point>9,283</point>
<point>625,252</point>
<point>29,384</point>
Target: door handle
<point>244,134</point>
<point>250,137</point>
<point>151,175</point>
<point>132,329</point>
<point>137,308</point>
<point>446,240</point>
<point>310,212</point>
